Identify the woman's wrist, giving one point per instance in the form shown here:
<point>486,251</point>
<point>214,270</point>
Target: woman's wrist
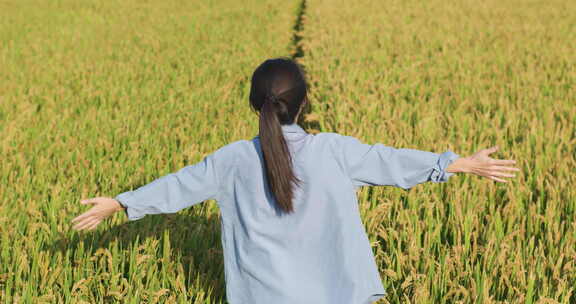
<point>460,165</point>
<point>120,206</point>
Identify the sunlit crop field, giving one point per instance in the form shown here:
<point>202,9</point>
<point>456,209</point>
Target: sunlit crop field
<point>100,97</point>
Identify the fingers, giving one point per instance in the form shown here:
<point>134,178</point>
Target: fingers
<point>94,225</point>
<point>503,161</point>
<point>491,150</point>
<point>497,179</point>
<point>90,219</point>
<point>500,164</point>
<point>494,169</point>
<point>85,223</point>
<point>82,216</point>
<point>502,174</point>
<point>503,168</point>
<point>90,200</point>
<point>496,175</point>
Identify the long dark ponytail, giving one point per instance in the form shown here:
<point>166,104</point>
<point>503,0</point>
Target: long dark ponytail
<point>277,92</point>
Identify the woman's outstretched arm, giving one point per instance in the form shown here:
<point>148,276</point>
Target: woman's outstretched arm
<point>377,164</point>
<point>168,194</point>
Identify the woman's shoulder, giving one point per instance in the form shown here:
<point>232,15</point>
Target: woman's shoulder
<point>332,137</point>
<point>233,147</point>
<point>338,138</point>
<point>327,135</point>
<point>227,155</point>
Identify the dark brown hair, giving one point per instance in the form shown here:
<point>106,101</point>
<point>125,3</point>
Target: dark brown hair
<point>277,92</point>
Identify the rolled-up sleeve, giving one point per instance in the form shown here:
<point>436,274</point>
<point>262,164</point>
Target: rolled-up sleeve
<point>377,164</point>
<point>173,192</point>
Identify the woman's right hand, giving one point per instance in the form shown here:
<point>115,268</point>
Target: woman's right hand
<point>483,165</point>
<point>103,208</point>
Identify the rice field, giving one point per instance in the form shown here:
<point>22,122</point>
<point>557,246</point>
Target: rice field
<point>100,97</point>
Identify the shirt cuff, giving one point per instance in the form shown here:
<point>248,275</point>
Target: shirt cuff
<point>126,200</point>
<point>439,173</point>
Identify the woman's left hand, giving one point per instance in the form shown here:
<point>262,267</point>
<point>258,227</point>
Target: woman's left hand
<point>103,208</point>
<point>483,165</point>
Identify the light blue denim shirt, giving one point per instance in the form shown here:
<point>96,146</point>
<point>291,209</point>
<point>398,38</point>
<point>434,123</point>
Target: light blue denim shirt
<point>320,254</point>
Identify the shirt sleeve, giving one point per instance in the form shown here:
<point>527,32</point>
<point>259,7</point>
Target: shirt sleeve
<point>377,164</point>
<point>188,186</point>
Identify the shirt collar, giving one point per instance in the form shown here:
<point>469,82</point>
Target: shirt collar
<point>292,128</point>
